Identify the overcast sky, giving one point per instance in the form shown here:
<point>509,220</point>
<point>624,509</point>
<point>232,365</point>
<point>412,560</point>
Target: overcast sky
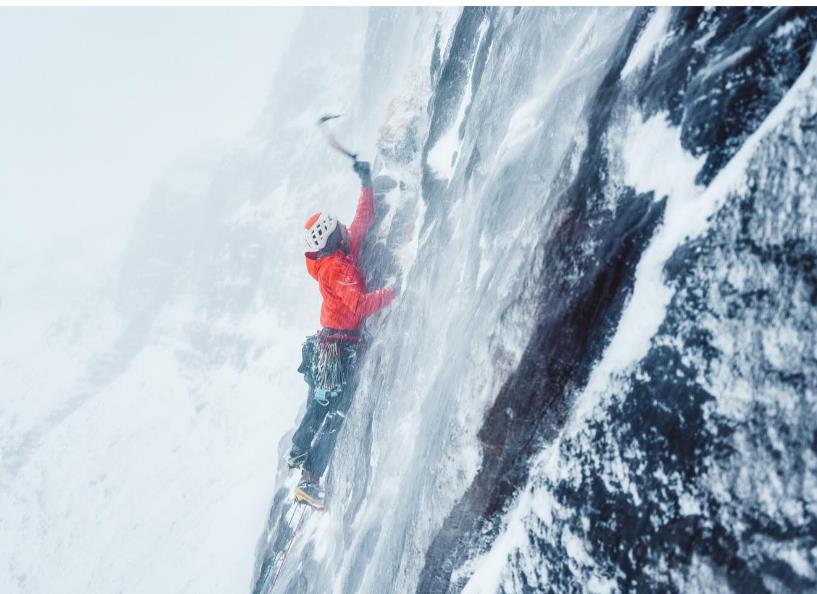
<point>96,102</point>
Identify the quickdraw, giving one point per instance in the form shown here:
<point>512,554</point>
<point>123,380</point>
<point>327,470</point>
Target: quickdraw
<point>328,359</point>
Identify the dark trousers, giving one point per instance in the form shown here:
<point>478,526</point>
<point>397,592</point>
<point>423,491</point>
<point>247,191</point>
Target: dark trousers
<point>319,429</point>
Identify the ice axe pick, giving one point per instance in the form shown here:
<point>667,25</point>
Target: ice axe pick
<point>330,138</point>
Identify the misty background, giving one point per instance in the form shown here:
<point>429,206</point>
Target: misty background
<point>135,454</point>
<point>96,103</point>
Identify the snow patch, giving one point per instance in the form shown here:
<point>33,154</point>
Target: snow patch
<point>789,28</point>
<point>575,548</point>
<point>442,157</point>
<point>650,146</point>
<point>798,562</point>
<point>724,63</point>
<point>582,562</point>
<point>686,216</point>
<point>689,505</point>
<point>487,570</point>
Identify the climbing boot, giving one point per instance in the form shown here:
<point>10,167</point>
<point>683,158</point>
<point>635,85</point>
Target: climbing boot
<point>309,492</point>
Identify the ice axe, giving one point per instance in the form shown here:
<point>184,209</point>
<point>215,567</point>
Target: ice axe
<point>330,138</point>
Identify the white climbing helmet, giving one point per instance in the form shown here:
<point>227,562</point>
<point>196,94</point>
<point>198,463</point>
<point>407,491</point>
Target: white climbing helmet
<point>318,229</point>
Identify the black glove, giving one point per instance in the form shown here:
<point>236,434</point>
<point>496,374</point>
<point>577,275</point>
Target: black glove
<point>364,172</point>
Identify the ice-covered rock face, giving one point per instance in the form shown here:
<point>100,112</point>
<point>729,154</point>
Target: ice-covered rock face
<point>686,457</point>
<point>600,375</point>
<point>600,371</point>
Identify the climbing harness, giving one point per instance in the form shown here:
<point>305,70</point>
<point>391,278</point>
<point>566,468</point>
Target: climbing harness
<point>329,358</point>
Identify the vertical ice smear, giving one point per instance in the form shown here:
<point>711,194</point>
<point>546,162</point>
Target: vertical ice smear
<point>528,120</point>
<point>649,42</point>
<point>464,316</point>
<point>444,155</point>
<point>446,22</point>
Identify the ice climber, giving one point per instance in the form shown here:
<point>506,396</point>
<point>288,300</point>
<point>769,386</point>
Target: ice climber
<point>330,356</point>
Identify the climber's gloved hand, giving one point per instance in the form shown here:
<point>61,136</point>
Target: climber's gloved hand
<point>364,172</point>
<point>388,294</point>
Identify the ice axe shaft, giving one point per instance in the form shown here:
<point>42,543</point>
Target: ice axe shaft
<point>330,138</point>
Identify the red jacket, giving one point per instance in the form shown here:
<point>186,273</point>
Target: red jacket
<point>345,299</point>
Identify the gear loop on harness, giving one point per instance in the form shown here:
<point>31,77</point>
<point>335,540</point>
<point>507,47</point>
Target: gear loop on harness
<point>328,360</point>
